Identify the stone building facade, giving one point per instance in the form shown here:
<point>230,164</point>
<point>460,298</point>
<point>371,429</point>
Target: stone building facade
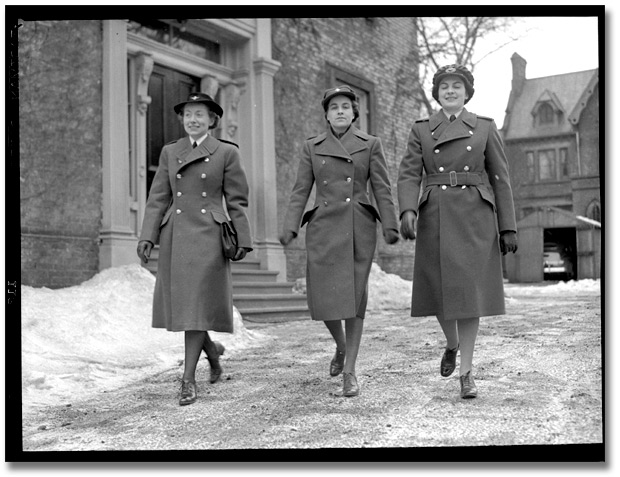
<point>92,92</point>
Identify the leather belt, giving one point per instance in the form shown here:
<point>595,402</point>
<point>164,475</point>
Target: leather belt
<point>454,179</point>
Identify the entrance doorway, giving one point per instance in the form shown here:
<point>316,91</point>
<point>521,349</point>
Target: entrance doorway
<point>167,87</point>
<point>560,253</point>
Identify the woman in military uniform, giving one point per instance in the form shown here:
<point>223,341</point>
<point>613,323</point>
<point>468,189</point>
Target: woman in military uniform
<point>341,225</point>
<point>465,216</point>
<point>184,210</point>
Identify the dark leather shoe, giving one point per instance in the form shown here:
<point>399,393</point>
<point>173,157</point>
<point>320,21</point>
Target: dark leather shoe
<point>216,369</point>
<point>468,387</point>
<point>188,393</point>
<point>448,361</point>
<point>350,387</point>
<point>337,363</point>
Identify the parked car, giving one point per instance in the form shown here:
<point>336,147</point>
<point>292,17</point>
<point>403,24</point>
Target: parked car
<point>556,262</point>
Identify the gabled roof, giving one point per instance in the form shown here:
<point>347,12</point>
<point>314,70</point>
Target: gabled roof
<point>569,92</point>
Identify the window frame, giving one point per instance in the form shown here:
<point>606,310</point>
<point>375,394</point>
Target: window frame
<point>337,75</point>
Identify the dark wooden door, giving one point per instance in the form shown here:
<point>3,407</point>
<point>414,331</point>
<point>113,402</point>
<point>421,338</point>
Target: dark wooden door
<point>167,87</point>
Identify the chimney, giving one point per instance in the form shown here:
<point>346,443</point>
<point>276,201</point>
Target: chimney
<point>518,73</point>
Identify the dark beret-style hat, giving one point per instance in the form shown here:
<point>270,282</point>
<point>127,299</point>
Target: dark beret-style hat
<point>338,90</point>
<point>454,70</point>
<point>200,98</point>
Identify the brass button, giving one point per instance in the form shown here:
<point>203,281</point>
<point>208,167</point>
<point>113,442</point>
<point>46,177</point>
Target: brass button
<point>471,133</point>
<point>469,148</point>
<point>206,159</point>
<point>204,194</point>
<point>323,161</point>
<point>347,199</point>
<point>179,176</point>
<point>444,187</point>
<point>203,211</point>
<point>436,151</point>
<point>203,176</point>
<point>178,211</point>
<point>179,194</point>
<point>464,187</point>
<point>349,160</point>
<point>466,168</point>
<point>348,179</point>
<point>180,161</point>
<point>441,169</point>
<point>325,202</point>
<point>324,182</point>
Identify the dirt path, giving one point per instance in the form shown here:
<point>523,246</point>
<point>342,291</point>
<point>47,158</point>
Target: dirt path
<point>538,371</point>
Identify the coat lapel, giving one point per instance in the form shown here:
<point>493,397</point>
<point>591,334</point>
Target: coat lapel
<point>444,131</point>
<point>184,154</point>
<point>344,148</point>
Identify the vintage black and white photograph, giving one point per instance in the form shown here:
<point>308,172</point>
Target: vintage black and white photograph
<point>306,237</point>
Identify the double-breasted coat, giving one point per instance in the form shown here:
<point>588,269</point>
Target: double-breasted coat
<point>193,288</point>
<point>341,226</point>
<point>465,202</point>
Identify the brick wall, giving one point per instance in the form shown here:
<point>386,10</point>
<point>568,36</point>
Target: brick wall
<point>380,50</point>
<point>60,119</point>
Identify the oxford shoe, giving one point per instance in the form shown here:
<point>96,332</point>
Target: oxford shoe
<point>448,361</point>
<point>468,387</point>
<point>337,363</point>
<point>350,387</point>
<point>214,362</point>
<point>188,393</point>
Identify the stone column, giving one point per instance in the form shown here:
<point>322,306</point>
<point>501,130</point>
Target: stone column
<point>117,239</point>
<point>267,246</point>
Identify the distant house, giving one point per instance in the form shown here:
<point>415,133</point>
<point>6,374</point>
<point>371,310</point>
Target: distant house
<point>551,134</point>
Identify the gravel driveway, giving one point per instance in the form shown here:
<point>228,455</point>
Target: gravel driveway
<point>538,370</point>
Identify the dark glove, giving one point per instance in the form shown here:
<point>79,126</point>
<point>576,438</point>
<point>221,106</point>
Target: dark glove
<point>287,236</point>
<point>508,242</point>
<point>391,236</point>
<point>144,250</point>
<point>407,225</point>
<point>240,255</point>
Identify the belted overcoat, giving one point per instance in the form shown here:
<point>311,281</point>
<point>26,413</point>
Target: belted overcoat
<point>193,288</point>
<point>465,202</point>
<point>341,231</point>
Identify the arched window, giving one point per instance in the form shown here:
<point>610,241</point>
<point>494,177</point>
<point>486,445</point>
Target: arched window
<point>593,210</point>
<point>546,114</point>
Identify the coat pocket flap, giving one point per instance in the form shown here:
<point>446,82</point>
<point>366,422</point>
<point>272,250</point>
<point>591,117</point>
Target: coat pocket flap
<point>219,217</point>
<point>166,217</point>
<point>486,195</point>
<point>371,208</point>
<point>424,197</point>
<point>308,215</point>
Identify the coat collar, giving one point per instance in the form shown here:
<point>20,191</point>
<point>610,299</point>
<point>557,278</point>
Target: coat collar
<point>184,151</point>
<point>462,127</point>
<point>353,141</point>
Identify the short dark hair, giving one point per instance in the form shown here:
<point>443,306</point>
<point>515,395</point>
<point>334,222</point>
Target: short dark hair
<point>355,105</point>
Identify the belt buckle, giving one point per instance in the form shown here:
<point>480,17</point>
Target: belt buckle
<point>453,181</point>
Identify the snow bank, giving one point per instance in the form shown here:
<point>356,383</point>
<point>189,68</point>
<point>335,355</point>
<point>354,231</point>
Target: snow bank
<point>571,287</point>
<point>387,291</point>
<point>98,335</point>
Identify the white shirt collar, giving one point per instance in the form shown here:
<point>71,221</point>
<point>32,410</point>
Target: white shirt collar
<point>456,114</point>
<point>199,140</point>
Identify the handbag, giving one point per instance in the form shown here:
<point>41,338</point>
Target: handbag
<point>229,240</point>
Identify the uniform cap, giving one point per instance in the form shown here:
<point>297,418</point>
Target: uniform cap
<point>200,98</point>
<point>454,70</point>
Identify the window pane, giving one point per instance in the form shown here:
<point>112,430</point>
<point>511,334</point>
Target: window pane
<point>564,165</point>
<point>546,165</point>
<point>531,167</point>
<point>545,113</point>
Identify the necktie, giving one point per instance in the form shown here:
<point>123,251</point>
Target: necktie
<point>452,117</point>
<point>195,145</point>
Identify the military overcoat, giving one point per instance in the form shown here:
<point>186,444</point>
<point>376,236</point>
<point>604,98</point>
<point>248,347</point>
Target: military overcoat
<point>193,288</point>
<point>466,200</point>
<point>341,226</point>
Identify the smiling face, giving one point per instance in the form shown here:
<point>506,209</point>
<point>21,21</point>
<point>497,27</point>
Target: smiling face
<point>196,120</point>
<point>340,113</point>
<point>452,94</point>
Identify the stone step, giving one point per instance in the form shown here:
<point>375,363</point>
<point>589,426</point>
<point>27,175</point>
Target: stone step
<point>242,275</point>
<point>244,302</point>
<point>278,314</point>
<point>246,264</point>
<point>257,288</point>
